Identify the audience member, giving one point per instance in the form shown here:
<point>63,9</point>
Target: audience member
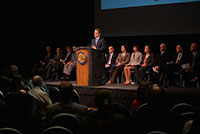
<point>156,118</point>
<point>41,97</point>
<point>21,113</point>
<point>103,121</point>
<point>141,95</point>
<point>147,62</point>
<point>69,66</point>
<point>39,72</point>
<point>122,59</point>
<point>66,104</point>
<point>134,64</point>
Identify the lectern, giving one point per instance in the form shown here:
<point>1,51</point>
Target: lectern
<point>89,66</point>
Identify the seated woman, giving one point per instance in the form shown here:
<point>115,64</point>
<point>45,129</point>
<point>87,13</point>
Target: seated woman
<point>122,58</point>
<point>147,62</point>
<point>134,63</point>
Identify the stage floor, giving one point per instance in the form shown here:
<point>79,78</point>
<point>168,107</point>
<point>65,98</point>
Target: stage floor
<point>124,94</point>
<point>110,86</point>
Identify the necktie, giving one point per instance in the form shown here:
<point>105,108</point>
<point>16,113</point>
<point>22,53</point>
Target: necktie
<point>96,40</point>
<point>109,59</point>
<point>193,60</point>
<point>178,58</point>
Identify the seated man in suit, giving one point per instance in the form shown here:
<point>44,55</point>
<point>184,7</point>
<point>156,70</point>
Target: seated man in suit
<point>194,60</point>
<point>178,60</point>
<point>42,64</point>
<point>160,64</point>
<point>110,59</point>
<point>54,65</point>
<point>69,66</point>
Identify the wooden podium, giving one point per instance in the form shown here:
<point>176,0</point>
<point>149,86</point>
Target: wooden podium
<point>89,66</point>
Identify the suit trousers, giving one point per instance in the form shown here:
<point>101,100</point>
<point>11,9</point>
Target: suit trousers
<point>68,68</point>
<point>115,71</point>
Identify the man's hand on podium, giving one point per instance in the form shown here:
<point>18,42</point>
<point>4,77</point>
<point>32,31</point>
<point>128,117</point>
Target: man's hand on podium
<point>94,47</point>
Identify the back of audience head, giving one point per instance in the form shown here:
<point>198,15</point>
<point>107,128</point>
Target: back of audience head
<point>103,100</point>
<point>150,93</point>
<point>37,81</point>
<point>65,90</point>
<point>156,97</point>
<point>143,91</point>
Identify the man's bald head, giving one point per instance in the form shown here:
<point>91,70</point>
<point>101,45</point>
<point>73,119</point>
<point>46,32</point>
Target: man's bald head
<point>37,80</point>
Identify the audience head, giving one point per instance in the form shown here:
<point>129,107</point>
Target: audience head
<point>163,47</point>
<point>65,90</point>
<point>146,49</point>
<point>97,32</point>
<point>74,48</point>
<point>48,49</point>
<point>179,48</point>
<point>103,100</point>
<point>156,97</point>
<point>68,49</point>
<point>14,70</point>
<point>143,91</point>
<point>135,48</point>
<point>194,47</point>
<point>37,81</point>
<point>111,49</point>
<point>123,48</point>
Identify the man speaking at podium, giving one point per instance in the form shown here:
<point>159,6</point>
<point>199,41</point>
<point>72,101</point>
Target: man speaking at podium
<point>99,43</point>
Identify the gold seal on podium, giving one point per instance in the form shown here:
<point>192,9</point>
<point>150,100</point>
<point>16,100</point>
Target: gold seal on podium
<point>82,58</point>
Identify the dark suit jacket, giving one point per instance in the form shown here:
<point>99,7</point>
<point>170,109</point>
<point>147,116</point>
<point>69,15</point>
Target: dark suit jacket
<point>68,59</point>
<point>161,61</point>
<point>123,59</point>
<point>196,67</point>
<point>183,60</point>
<point>112,59</point>
<point>149,61</point>
<point>101,44</point>
<point>48,57</point>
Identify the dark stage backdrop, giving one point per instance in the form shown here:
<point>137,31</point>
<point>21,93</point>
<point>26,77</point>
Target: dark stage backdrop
<point>167,19</point>
<point>27,27</point>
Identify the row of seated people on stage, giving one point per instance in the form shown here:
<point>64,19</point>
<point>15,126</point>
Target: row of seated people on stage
<point>58,66</point>
<point>33,110</point>
<point>160,67</point>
